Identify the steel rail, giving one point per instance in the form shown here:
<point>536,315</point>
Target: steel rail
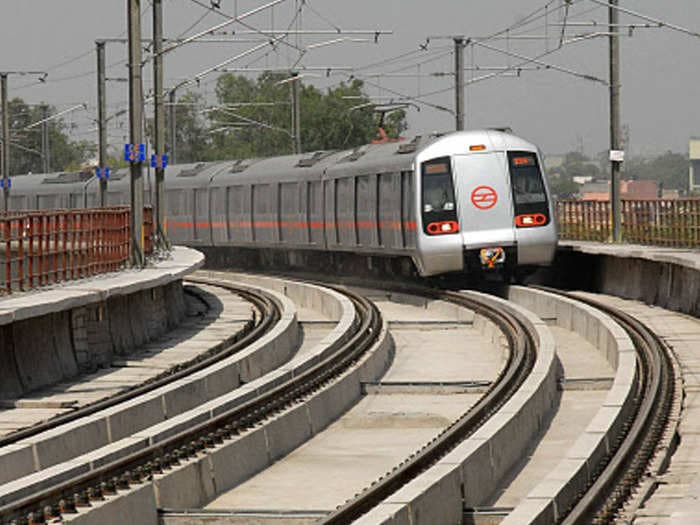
<point>140,466</point>
<point>521,358</point>
<point>269,315</point>
<point>623,469</point>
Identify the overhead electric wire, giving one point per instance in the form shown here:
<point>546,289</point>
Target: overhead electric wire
<point>536,60</point>
<point>49,79</point>
<point>227,23</point>
<point>403,96</point>
<point>321,16</point>
<point>659,22</point>
<point>530,18</point>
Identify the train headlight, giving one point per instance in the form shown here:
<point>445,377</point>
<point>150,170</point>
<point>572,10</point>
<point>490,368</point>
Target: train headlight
<point>528,220</point>
<point>442,227</point>
<point>490,257</point>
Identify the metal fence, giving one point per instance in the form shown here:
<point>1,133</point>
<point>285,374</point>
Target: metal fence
<point>38,248</point>
<point>661,222</point>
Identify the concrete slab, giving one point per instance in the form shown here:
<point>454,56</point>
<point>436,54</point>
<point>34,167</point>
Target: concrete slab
<point>575,412</point>
<point>381,430</point>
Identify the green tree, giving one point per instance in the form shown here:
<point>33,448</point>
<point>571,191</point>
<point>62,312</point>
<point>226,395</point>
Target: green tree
<point>191,131</point>
<point>25,141</point>
<point>255,117</point>
<point>578,165</point>
<point>563,187</point>
<point>669,169</point>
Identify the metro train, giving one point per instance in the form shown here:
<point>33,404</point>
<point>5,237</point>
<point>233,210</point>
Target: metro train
<point>467,201</point>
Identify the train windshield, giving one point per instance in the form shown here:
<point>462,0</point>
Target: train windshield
<point>438,197</point>
<point>529,194</point>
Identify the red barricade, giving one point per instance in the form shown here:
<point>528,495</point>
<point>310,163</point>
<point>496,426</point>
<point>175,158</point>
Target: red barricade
<point>662,222</point>
<point>38,248</point>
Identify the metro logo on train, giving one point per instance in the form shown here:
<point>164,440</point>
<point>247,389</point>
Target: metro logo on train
<point>484,197</point>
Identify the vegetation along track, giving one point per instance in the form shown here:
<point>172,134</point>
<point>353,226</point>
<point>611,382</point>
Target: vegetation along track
<point>140,466</point>
<point>624,468</point>
<point>269,314</point>
<point>521,359</point>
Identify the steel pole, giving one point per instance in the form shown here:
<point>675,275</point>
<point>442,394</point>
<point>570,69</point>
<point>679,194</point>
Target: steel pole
<point>173,127</point>
<point>459,83</point>
<point>615,129</point>
<point>101,119</point>
<point>159,121</point>
<point>136,130</point>
<point>5,142</point>
<point>45,144</point>
<point>296,113</point>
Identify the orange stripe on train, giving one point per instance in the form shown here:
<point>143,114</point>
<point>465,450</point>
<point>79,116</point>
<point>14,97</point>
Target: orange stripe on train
<point>345,225</point>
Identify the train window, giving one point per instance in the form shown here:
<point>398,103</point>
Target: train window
<point>529,194</point>
<point>438,197</point>
<point>261,198</point>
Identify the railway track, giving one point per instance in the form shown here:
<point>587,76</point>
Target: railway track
<point>521,357</point>
<point>644,448</point>
<point>636,454</point>
<point>621,479</point>
<point>67,496</point>
<point>268,314</point>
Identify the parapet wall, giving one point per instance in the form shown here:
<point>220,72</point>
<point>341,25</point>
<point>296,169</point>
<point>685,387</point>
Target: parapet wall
<point>52,335</point>
<point>664,277</point>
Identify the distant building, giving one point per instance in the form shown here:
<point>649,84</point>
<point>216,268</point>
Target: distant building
<point>595,191</point>
<point>670,194</point>
<point>582,179</point>
<point>694,163</point>
<point>629,189</point>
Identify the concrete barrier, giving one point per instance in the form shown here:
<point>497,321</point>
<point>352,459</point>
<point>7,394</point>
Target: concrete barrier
<point>665,277</point>
<point>52,335</point>
<point>469,474</point>
<point>197,481</point>
<point>558,490</point>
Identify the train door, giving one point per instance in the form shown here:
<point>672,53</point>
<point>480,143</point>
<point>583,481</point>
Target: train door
<point>485,206</point>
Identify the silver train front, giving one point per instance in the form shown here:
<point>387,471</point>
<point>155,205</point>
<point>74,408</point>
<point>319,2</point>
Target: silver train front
<point>457,202</point>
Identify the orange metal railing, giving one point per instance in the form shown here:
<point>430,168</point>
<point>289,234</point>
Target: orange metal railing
<point>148,230</point>
<point>38,248</point>
<point>662,222</point>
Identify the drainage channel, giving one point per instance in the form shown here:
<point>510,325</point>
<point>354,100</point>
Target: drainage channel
<point>140,467</point>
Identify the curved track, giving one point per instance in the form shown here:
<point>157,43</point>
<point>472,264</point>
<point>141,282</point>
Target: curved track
<point>520,361</point>
<point>137,467</point>
<point>624,468</point>
<point>616,478</point>
<point>268,315</point>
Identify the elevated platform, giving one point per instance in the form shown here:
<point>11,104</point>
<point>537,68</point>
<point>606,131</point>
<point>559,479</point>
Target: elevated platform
<point>680,256</point>
<point>52,334</point>
<point>667,277</point>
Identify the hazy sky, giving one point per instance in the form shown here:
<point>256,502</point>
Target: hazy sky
<point>559,111</point>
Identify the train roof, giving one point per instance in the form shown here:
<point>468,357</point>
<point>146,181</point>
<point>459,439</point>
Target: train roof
<point>306,166</point>
<point>367,159</point>
<point>461,142</point>
<point>57,182</point>
<point>370,158</point>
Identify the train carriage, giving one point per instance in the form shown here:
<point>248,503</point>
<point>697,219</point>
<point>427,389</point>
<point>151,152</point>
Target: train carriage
<point>459,202</point>
<point>484,204</point>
